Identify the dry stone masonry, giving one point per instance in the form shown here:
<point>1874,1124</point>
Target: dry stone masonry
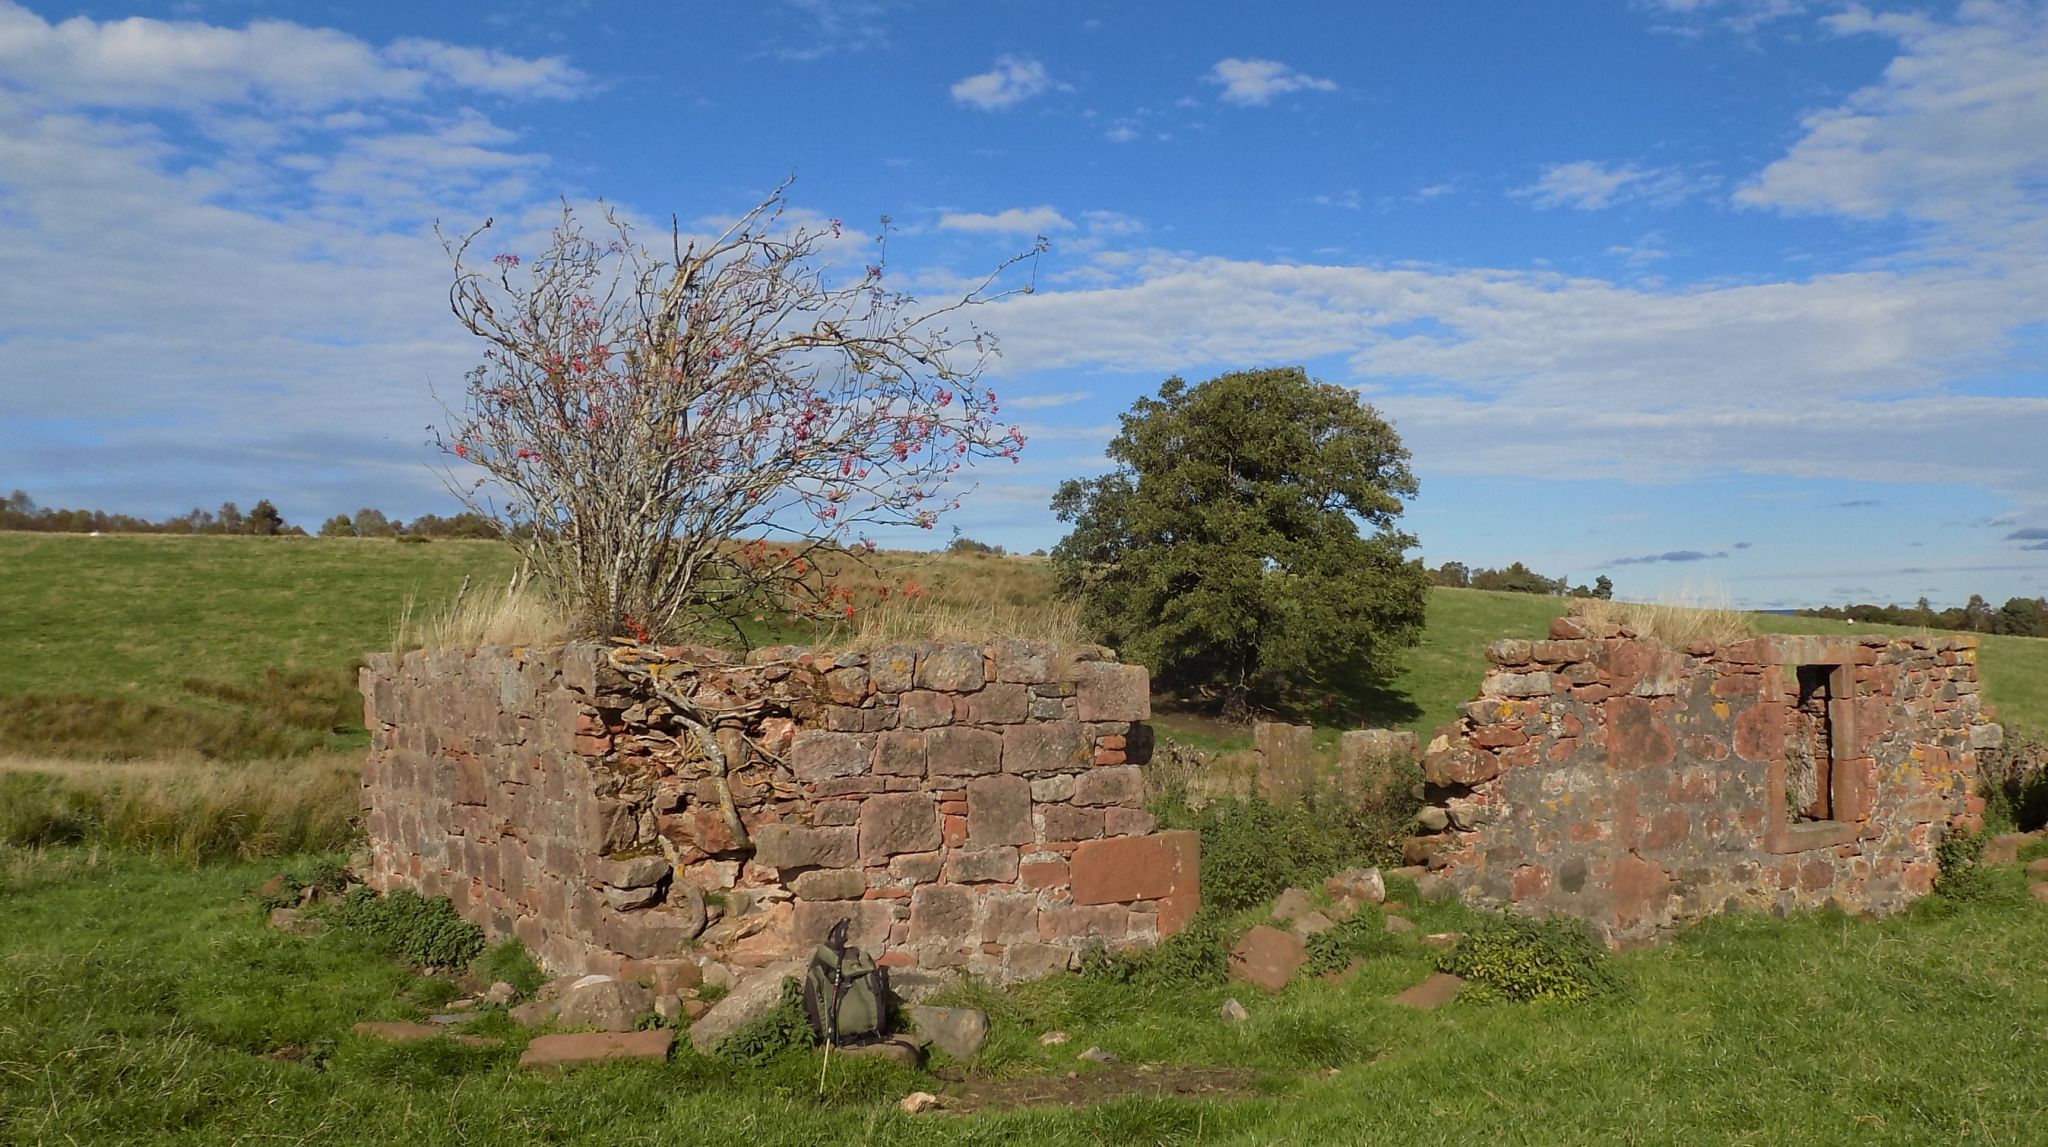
<point>636,812</point>
<point>1636,785</point>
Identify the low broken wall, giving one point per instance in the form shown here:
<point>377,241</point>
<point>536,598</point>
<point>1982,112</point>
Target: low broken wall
<point>1636,785</point>
<point>973,807</point>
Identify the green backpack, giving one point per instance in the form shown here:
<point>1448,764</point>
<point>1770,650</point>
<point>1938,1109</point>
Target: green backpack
<point>846,997</point>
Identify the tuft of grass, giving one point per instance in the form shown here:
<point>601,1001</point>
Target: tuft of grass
<point>1678,622</point>
<point>509,961</point>
<point>516,614</point>
<point>190,811</point>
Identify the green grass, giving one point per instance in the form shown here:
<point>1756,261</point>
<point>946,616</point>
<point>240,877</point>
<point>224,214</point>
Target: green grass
<point>142,1003</point>
<point>131,645</point>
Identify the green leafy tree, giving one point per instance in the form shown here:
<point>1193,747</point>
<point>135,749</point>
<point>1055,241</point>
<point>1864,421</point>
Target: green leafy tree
<point>264,521</point>
<point>338,526</point>
<point>1226,550</point>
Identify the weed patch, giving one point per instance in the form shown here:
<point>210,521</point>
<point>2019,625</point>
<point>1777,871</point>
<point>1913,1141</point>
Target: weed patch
<point>1251,849</point>
<point>1514,958</point>
<point>423,932</point>
<point>784,1029</point>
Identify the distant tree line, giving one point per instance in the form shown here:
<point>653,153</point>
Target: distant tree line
<point>18,511</point>
<point>1517,578</point>
<point>2018,617</point>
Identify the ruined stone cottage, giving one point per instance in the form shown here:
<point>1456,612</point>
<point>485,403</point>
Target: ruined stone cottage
<point>1636,785</point>
<point>964,806</point>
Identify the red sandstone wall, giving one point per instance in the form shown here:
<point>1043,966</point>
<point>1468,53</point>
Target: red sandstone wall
<point>972,807</point>
<point>1636,785</point>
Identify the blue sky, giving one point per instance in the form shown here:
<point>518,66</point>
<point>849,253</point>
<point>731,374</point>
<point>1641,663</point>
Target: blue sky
<point>1746,299</point>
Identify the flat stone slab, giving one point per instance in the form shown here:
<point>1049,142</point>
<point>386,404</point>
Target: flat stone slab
<point>1267,958</point>
<point>1436,991</point>
<point>2040,890</point>
<point>573,1048</point>
<point>2038,868</point>
<point>400,1031</point>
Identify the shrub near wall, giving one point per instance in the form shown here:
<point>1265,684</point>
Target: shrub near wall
<point>963,806</point>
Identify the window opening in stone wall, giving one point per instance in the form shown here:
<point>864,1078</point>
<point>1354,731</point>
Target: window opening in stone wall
<point>1810,749</point>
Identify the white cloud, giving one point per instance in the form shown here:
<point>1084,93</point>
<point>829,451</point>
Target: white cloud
<point>1013,80</point>
<point>1015,221</point>
<point>1255,83</point>
<point>139,63</point>
<point>1590,186</point>
<point>1047,401</point>
<point>1955,132</point>
<point>1740,16</point>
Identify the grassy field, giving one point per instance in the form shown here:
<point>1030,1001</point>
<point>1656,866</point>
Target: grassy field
<point>142,1003</point>
<point>142,1000</point>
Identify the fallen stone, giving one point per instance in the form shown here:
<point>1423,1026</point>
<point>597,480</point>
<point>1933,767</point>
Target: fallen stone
<point>1291,905</point>
<point>533,1013</point>
<point>1400,924</point>
<point>271,887</point>
<point>2038,867</point>
<point>638,872</point>
<point>627,899</point>
<point>915,985</point>
<point>959,1032</point>
<point>1267,958</point>
<point>447,1019</point>
<point>694,1009</point>
<point>1431,818</point>
<point>1052,1039</point>
<point>2040,890</point>
<point>289,920</point>
<point>1436,991</point>
<point>1443,939</point>
<point>1312,924</point>
<point>399,1031</point>
<point>604,1003</point>
<point>918,1102</point>
<point>755,997</point>
<point>669,1007</point>
<point>500,993</point>
<point>1234,1012</point>
<point>896,1049</point>
<point>2004,848</point>
<point>1363,884</point>
<point>1433,887</point>
<point>1097,1055</point>
<point>574,1048</point>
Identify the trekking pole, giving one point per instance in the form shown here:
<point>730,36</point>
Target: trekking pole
<point>831,1024</point>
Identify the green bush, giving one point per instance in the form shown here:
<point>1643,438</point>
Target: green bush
<point>1195,956</point>
<point>410,926</point>
<point>1961,875</point>
<point>1251,849</point>
<point>781,1030</point>
<point>1511,957</point>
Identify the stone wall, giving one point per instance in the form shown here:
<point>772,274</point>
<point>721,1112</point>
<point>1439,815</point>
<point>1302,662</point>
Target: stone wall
<point>1636,785</point>
<point>964,806</point>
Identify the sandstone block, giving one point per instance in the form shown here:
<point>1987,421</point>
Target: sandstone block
<point>1127,868</point>
<point>904,753</point>
<point>1291,905</point>
<point>893,669</point>
<point>898,822</point>
<point>981,866</point>
<point>867,924</point>
<point>924,709</point>
<point>1008,918</point>
<point>1360,884</point>
<point>1110,785</point>
<point>1107,691</point>
<point>1118,821</point>
<point>604,1003</point>
<point>1432,993</point>
<point>952,667</point>
<point>959,1032</point>
<point>999,705</point>
<point>1534,684</point>
<point>999,811</point>
<point>1070,822</point>
<point>941,914</point>
<point>965,752</point>
<point>636,872</point>
<point>1025,662</point>
<point>799,846</point>
<point>816,755</point>
<point>1459,765</point>
<point>1267,958</point>
<point>1046,747</point>
<point>752,998</point>
<point>830,884</point>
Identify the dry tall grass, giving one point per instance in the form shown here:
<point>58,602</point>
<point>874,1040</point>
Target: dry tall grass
<point>189,810</point>
<point>517,614</point>
<point>1678,621</point>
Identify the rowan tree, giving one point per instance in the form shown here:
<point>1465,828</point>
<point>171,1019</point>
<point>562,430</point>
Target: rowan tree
<point>1226,551</point>
<point>673,434</point>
